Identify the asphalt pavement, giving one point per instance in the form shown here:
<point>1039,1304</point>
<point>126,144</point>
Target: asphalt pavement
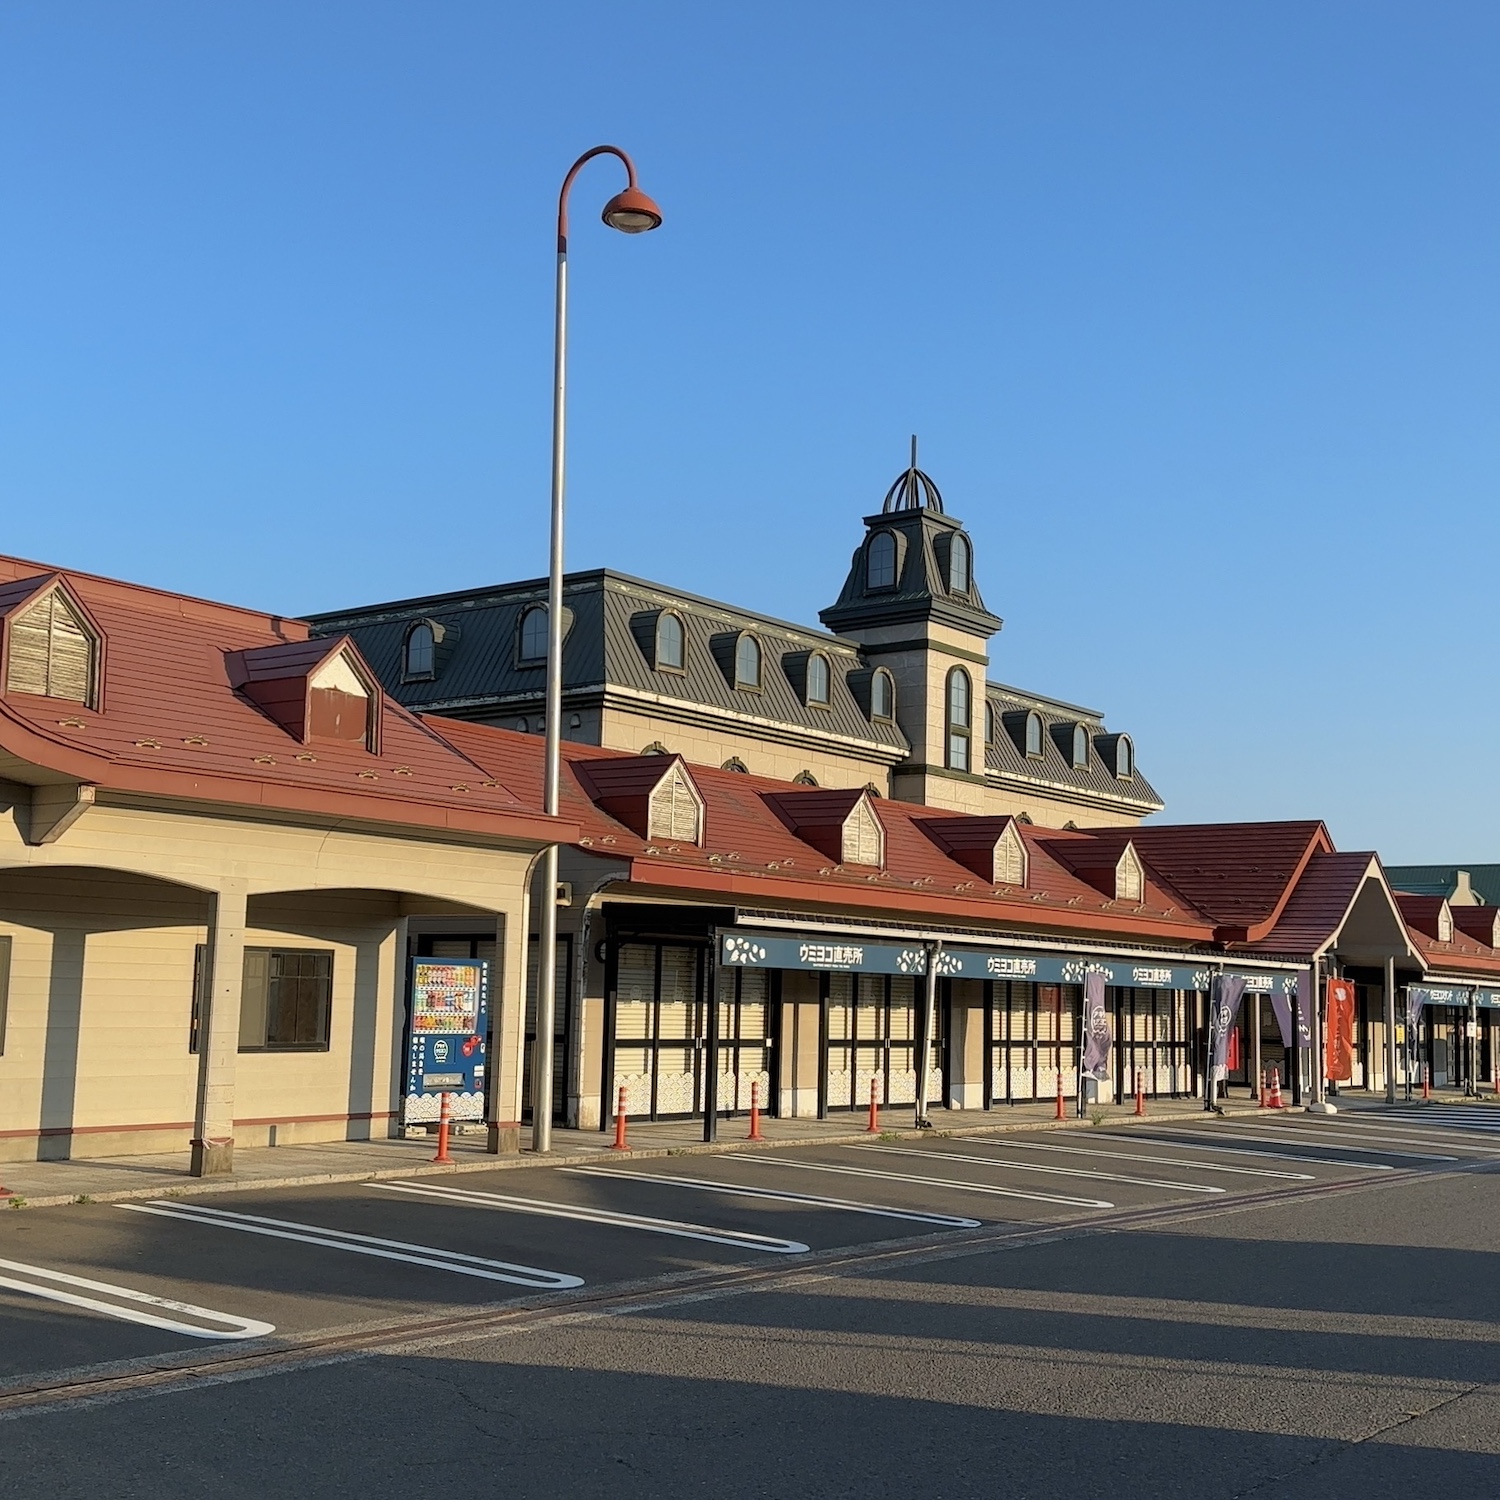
<point>1284,1304</point>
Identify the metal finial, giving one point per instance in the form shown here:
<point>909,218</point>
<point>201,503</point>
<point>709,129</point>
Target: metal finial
<point>913,490</point>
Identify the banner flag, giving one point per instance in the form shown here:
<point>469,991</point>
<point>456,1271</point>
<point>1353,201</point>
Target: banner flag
<point>1223,1008</point>
<point>1304,1012</point>
<point>1339,1051</point>
<point>1281,1006</point>
<point>1096,1034</point>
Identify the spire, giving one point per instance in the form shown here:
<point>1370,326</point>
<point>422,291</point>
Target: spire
<point>913,490</point>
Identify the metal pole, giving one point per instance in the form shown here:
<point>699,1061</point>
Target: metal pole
<point>1257,1078</point>
<point>1390,1030</point>
<point>546,979</point>
<point>924,1039</point>
<point>711,1060</point>
<point>1319,1094</point>
<point>1471,1045</point>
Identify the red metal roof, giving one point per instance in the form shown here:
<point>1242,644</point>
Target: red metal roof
<point>171,723</point>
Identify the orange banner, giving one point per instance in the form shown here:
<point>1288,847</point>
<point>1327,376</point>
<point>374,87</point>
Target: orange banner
<point>1338,1049</point>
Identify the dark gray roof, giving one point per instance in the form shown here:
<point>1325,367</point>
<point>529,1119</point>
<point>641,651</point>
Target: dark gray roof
<point>1006,754</point>
<point>610,644</point>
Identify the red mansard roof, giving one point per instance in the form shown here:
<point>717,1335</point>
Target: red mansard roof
<point>172,724</point>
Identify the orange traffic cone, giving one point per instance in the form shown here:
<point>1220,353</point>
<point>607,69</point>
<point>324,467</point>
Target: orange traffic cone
<point>1274,1102</point>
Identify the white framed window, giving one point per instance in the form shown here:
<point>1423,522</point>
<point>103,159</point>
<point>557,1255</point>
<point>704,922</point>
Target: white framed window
<point>959,695</point>
<point>421,652</point>
<point>883,696</point>
<point>819,679</point>
<point>671,643</point>
<point>747,662</point>
<point>52,652</point>
<point>880,561</point>
<point>534,633</point>
<point>960,565</point>
<point>1034,735</point>
<point>1080,747</point>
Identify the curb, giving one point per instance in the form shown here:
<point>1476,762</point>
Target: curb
<point>195,1187</point>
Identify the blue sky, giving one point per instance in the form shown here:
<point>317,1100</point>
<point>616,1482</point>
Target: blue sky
<point>1196,309</point>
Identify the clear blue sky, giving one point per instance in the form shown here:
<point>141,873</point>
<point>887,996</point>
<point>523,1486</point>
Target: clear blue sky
<point>1194,307</point>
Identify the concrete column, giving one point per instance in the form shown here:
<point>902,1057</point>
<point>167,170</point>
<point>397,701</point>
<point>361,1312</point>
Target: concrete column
<point>219,1035</point>
<point>507,1042</point>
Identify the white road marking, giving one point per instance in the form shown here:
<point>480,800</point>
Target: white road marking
<point>1163,1161</point>
<point>234,1327</point>
<point>740,1239</point>
<point>1028,1166</point>
<point>362,1244</point>
<point>1325,1138</point>
<point>1426,1137</point>
<point>703,1184</point>
<point>1314,1161</point>
<point>942,1182</point>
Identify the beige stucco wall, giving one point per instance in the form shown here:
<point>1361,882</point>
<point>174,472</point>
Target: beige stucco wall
<point>104,923</point>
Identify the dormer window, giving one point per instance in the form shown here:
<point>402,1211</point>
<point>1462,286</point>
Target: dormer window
<point>880,561</point>
<point>1444,924</point>
<point>671,643</point>
<point>1130,877</point>
<point>338,702</point>
<point>747,663</point>
<point>1124,759</point>
<point>1080,747</point>
<point>533,640</point>
<point>819,680</point>
<point>1034,735</point>
<point>882,696</point>
<point>421,653</point>
<point>1010,858</point>
<point>675,814</point>
<point>52,651</point>
<point>959,700</point>
<point>990,724</point>
<point>959,565</point>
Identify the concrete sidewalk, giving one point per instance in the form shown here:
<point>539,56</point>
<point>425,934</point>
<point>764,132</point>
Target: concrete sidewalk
<point>42,1184</point>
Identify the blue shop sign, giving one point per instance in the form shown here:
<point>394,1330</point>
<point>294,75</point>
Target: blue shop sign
<point>450,1002</point>
<point>841,955</point>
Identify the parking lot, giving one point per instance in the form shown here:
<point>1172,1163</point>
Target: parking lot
<point>87,1285</point>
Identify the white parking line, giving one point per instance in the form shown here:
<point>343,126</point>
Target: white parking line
<point>1325,1139</point>
<point>942,1182</point>
<point>1313,1161</point>
<point>1162,1161</point>
<point>233,1327</point>
<point>1028,1166</point>
<point>811,1200</point>
<point>362,1244</point>
<point>740,1239</point>
<point>1403,1135</point>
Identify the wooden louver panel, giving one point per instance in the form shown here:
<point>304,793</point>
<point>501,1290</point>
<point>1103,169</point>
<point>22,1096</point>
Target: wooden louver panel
<point>51,653</point>
<point>1010,859</point>
<point>862,841</point>
<point>1130,880</point>
<point>674,810</point>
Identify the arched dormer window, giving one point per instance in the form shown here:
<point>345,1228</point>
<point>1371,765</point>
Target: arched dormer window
<point>747,662</point>
<point>960,565</point>
<point>1124,758</point>
<point>883,696</point>
<point>819,680</point>
<point>1034,735</point>
<point>959,696</point>
<point>880,561</point>
<point>51,651</point>
<point>991,724</point>
<point>533,642</point>
<point>420,661</point>
<point>671,643</point>
<point>1080,747</point>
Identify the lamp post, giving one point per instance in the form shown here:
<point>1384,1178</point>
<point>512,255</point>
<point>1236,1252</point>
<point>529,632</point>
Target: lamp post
<point>631,212</point>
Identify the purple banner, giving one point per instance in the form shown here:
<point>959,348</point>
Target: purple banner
<point>1223,1007</point>
<point>1304,1011</point>
<point>1096,1034</point>
<point>1281,1005</point>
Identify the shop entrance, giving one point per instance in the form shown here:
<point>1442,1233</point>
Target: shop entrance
<point>1031,1037</point>
<point>869,1031</point>
<point>658,1044</point>
<point>1152,1039</point>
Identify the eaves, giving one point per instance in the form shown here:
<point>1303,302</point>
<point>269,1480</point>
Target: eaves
<point>1084,796</point>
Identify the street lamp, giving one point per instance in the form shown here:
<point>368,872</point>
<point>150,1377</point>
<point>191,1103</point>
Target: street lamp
<point>631,212</point>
